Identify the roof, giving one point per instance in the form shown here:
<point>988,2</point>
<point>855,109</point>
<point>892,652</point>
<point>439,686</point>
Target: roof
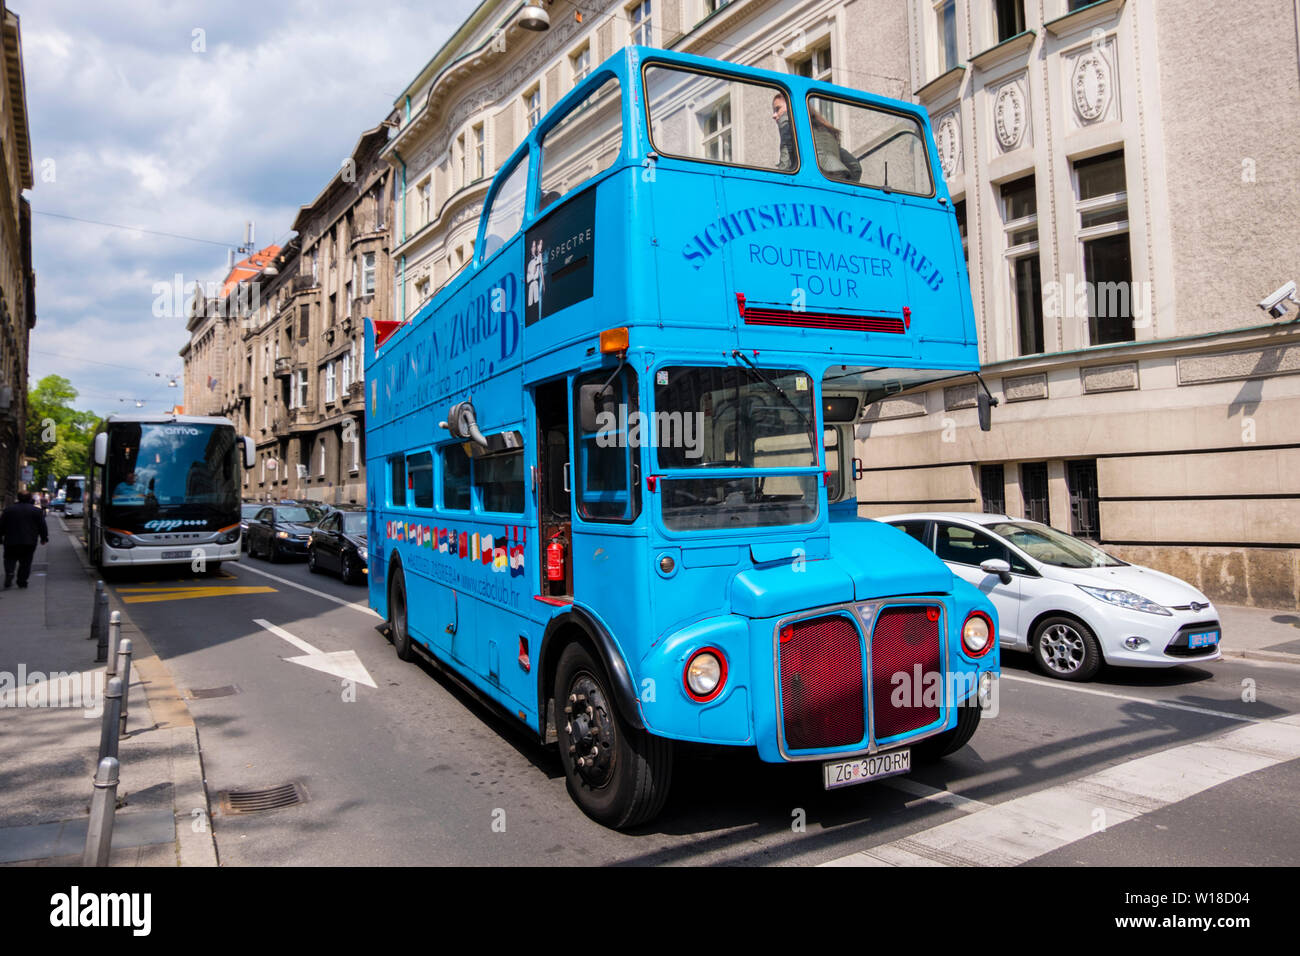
<point>13,56</point>
<point>249,268</point>
<point>358,152</point>
<point>974,517</point>
<point>163,418</point>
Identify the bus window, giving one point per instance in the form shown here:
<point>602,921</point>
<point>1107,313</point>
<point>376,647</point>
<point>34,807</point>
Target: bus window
<point>608,486</point>
<point>500,482</point>
<point>583,144</point>
<point>869,145</point>
<point>507,212</point>
<point>455,478</point>
<point>420,469</point>
<point>719,119</point>
<point>397,465</point>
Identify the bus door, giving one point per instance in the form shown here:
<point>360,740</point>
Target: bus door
<point>554,516</point>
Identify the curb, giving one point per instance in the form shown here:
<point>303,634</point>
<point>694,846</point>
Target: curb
<point>1271,656</point>
<point>195,841</point>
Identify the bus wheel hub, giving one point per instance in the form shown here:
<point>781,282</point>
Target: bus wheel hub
<point>590,731</point>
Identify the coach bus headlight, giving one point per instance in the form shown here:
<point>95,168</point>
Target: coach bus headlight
<point>228,537</point>
<point>706,673</point>
<point>977,634</point>
<point>118,540</point>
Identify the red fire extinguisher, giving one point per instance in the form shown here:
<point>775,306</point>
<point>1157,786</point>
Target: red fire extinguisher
<point>555,559</point>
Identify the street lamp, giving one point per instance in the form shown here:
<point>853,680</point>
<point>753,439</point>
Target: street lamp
<point>534,17</point>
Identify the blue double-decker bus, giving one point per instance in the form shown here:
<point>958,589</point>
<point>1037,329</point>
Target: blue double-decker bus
<point>611,466</point>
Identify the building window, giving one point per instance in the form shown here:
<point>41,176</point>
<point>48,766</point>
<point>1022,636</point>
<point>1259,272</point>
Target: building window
<point>479,157</point>
<point>422,288</point>
<point>345,378</point>
<point>1085,513</point>
<point>1010,17</point>
<point>357,371</point>
<point>329,382</point>
<point>347,300</point>
<point>993,489</point>
<point>356,449</point>
<point>715,129</point>
<point>425,192</point>
<point>322,458</point>
<point>302,389</point>
<point>959,207</point>
<point>533,106</point>
<point>1020,221</point>
<point>945,15</point>
<point>817,66</point>
<point>642,26</point>
<point>1103,234</point>
<point>368,273</point>
<point>1033,488</point>
<point>304,321</point>
<point>581,62</point>
<point>713,6</point>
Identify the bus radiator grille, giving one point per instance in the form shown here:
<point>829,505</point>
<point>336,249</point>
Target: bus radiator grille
<point>821,684</point>
<point>904,642</point>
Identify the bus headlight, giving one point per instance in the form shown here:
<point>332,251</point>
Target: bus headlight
<point>228,537</point>
<point>115,540</point>
<point>977,634</point>
<point>705,675</point>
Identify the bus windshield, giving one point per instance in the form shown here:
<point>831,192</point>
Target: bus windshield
<point>736,419</point>
<point>171,471</point>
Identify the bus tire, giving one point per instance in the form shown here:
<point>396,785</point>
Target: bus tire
<point>398,629</point>
<point>950,741</point>
<point>625,773</point>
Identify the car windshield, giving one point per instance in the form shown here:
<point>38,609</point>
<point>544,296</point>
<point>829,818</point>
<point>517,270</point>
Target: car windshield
<point>1054,547</point>
<point>250,511</point>
<point>354,522</point>
<point>301,515</point>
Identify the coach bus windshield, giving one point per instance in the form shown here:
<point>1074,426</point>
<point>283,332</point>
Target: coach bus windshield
<point>738,419</point>
<point>171,471</point>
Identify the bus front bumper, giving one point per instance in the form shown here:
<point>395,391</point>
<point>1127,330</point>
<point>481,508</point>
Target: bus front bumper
<point>194,555</point>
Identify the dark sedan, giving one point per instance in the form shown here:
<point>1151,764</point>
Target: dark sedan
<point>338,543</point>
<point>278,531</point>
<point>247,512</point>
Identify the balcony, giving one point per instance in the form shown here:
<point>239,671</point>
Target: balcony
<point>301,283</point>
<point>280,426</point>
<point>283,366</point>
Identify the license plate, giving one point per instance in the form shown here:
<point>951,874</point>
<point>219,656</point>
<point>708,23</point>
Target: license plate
<point>1204,639</point>
<point>845,773</point>
<point>169,555</point>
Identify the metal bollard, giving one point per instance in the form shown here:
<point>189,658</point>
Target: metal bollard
<point>124,660</point>
<point>108,732</point>
<point>114,639</point>
<point>99,835</point>
<point>95,613</point>
<point>101,650</point>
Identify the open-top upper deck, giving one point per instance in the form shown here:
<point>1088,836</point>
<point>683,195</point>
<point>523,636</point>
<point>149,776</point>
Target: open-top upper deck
<point>705,207</point>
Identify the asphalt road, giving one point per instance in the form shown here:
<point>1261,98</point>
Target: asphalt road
<point>415,771</point>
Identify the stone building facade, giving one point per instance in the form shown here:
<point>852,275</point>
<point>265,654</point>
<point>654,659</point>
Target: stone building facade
<point>289,368</point>
<point>17,281</point>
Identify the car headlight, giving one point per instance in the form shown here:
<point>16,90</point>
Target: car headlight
<point>361,553</point>
<point>977,634</point>
<point>1126,599</point>
<point>705,674</point>
<point>282,534</point>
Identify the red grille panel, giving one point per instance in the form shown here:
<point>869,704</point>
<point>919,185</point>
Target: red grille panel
<point>821,684</point>
<point>905,641</point>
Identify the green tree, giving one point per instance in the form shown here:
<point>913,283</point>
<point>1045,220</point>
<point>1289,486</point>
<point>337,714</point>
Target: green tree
<point>58,435</point>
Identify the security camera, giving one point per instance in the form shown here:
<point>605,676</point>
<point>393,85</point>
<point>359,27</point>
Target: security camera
<point>1275,304</point>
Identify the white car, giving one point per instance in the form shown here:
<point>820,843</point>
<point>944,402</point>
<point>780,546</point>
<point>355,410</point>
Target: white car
<point>1066,601</point>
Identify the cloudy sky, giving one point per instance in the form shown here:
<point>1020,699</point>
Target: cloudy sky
<point>140,121</point>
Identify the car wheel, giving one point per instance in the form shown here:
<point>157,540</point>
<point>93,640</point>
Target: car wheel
<point>311,561</point>
<point>397,624</point>
<point>950,741</point>
<point>349,570</point>
<point>272,551</point>
<point>1066,649</point>
<point>617,775</point>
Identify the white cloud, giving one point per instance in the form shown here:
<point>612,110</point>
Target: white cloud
<point>145,132</point>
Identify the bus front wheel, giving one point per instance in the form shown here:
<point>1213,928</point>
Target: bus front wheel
<point>397,623</point>
<point>618,775</point>
<point>950,741</point>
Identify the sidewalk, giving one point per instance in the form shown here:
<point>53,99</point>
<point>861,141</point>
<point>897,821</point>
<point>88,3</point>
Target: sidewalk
<point>1257,633</point>
<point>47,753</point>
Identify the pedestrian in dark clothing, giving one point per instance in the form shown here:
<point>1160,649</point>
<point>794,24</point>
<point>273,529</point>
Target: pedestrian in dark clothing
<point>21,525</point>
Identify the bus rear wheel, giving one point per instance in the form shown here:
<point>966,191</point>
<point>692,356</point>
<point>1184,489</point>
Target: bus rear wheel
<point>618,775</point>
<point>397,622</point>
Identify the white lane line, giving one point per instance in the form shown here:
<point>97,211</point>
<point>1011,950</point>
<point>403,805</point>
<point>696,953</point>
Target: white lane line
<point>1011,833</point>
<point>926,794</point>
<point>302,587</point>
<point>1172,705</point>
<point>344,665</point>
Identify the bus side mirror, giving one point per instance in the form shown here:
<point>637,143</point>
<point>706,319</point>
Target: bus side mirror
<point>592,400</point>
<point>101,449</point>
<point>985,411</point>
<point>250,452</point>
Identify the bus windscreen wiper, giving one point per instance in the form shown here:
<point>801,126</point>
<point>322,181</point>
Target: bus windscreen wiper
<point>755,370</point>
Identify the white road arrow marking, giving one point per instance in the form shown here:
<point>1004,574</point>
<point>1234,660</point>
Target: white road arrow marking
<point>344,665</point>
